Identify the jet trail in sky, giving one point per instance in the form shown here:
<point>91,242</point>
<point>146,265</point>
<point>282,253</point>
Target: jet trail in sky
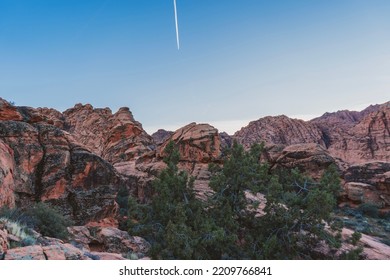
<point>177,26</point>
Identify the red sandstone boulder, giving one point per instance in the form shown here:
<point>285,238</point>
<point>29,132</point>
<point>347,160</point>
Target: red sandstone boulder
<point>312,159</point>
<point>8,111</point>
<point>196,143</point>
<point>369,183</point>
<point>108,240</point>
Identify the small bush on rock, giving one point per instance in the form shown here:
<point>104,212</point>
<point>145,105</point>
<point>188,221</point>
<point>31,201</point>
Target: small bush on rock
<point>49,221</point>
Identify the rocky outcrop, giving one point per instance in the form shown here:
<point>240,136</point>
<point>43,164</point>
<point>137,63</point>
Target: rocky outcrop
<point>23,139</point>
<point>357,137</point>
<point>369,183</point>
<point>373,249</point>
<point>40,162</point>
<point>196,143</point>
<point>352,140</point>
<point>199,145</point>
<point>353,137</point>
<point>53,117</point>
<point>115,137</point>
<point>226,140</point>
<point>161,135</point>
<point>108,240</point>
<point>85,243</point>
<point>7,184</point>
<point>279,130</point>
<point>3,243</point>
<point>9,112</point>
<point>312,159</point>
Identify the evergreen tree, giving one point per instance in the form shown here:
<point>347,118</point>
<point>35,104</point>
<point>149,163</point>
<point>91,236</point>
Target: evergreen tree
<point>175,222</point>
<point>296,221</point>
<point>298,214</point>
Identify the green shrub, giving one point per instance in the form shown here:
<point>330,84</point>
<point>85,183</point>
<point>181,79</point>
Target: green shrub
<point>369,209</point>
<point>49,221</point>
<point>354,254</point>
<point>355,237</point>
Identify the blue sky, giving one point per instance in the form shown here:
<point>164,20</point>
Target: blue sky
<point>239,59</point>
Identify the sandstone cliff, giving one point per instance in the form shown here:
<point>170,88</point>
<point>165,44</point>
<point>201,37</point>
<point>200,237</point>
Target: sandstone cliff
<point>41,162</point>
<point>279,130</point>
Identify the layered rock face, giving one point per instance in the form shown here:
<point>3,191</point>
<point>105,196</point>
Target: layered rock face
<point>196,143</point>
<point>358,137</point>
<point>7,184</point>
<point>199,145</point>
<point>309,158</point>
<point>358,142</point>
<point>40,162</point>
<point>279,130</point>
<point>369,183</point>
<point>115,137</point>
<point>353,137</point>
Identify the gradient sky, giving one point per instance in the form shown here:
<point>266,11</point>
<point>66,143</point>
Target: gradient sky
<point>239,59</point>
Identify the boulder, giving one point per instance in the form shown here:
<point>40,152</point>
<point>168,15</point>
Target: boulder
<point>108,240</point>
<point>369,183</point>
<point>196,143</point>
<point>25,253</point>
<point>312,159</point>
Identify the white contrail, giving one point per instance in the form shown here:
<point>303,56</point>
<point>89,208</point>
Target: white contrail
<point>177,26</point>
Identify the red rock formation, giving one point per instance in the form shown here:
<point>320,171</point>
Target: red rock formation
<point>41,162</point>
<point>23,139</point>
<point>199,145</point>
<point>8,112</point>
<point>161,135</point>
<point>115,137</point>
<point>279,130</point>
<point>369,183</point>
<point>357,137</point>
<point>196,142</point>
<point>7,184</point>
<point>312,159</point>
<point>109,240</point>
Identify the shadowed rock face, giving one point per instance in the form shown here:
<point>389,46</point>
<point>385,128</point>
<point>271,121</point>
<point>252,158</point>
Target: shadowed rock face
<point>369,183</point>
<point>161,135</point>
<point>7,184</point>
